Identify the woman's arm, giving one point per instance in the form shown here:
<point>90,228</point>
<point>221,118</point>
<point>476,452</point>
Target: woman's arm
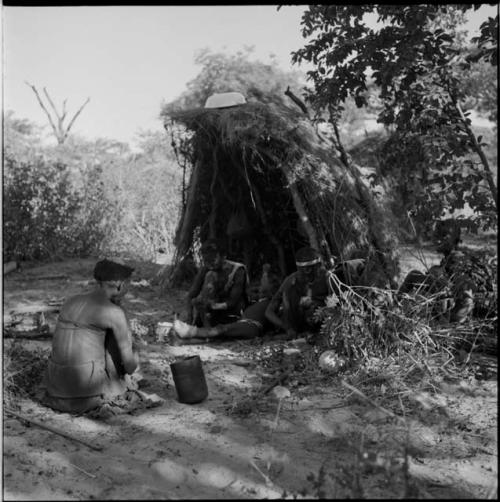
<point>193,293</point>
<point>116,322</point>
<point>273,308</point>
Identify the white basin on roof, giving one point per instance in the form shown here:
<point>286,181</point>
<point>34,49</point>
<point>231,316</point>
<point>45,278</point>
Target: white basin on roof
<point>225,100</point>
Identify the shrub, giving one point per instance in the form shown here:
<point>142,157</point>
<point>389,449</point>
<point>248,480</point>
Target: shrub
<point>46,215</point>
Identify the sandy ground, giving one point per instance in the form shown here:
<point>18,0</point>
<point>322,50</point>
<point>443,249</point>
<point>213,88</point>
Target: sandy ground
<point>213,450</point>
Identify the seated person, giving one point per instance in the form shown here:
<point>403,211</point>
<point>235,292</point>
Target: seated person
<point>299,295</point>
<point>92,355</point>
<point>461,274</point>
<point>251,324</point>
<point>458,268</point>
<point>350,272</point>
<point>430,283</point>
<point>218,294</point>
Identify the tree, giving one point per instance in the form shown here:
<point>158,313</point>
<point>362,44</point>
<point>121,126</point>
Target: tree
<point>481,89</point>
<point>418,67</point>
<point>222,72</point>
<point>150,197</point>
<point>57,119</point>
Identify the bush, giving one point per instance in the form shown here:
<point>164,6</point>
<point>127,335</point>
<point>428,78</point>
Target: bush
<point>46,215</point>
<point>149,200</point>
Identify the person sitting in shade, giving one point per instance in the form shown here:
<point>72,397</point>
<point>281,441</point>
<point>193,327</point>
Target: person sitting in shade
<point>292,307</point>
<point>218,294</point>
<point>92,356</point>
<point>251,324</point>
<point>455,284</point>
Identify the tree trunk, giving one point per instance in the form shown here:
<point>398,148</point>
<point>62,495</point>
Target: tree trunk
<point>212,220</point>
<point>376,230</point>
<point>183,234</point>
<point>301,211</point>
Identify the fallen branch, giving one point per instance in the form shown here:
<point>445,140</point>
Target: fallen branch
<point>266,478</point>
<point>368,400</point>
<point>237,362</point>
<point>83,470</point>
<point>52,429</point>
<point>46,277</point>
<point>329,407</point>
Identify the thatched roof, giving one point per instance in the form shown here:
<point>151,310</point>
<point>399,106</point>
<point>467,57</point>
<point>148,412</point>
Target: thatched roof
<point>267,162</point>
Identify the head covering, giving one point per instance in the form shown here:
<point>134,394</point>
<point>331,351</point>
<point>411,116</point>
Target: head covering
<point>306,257</point>
<point>107,270</point>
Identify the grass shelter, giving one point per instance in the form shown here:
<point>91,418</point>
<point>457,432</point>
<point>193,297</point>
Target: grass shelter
<point>260,176</point>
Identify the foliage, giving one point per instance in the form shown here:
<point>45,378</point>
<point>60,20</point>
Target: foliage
<point>481,89</point>
<point>140,190</point>
<point>21,138</point>
<point>149,185</point>
<point>364,321</point>
<point>418,65</point>
<point>430,178</point>
<point>347,51</point>
<point>45,216</point>
<point>84,197</point>
<point>38,205</point>
<point>222,72</point>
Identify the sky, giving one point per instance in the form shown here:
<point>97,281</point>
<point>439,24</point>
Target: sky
<point>130,59</point>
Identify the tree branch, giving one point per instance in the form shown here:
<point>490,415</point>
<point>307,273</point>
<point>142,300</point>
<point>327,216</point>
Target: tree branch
<point>60,129</point>
<point>63,116</point>
<point>56,113</point>
<point>214,204</point>
<point>302,214</point>
<point>297,101</point>
<point>75,117</point>
<point>43,108</point>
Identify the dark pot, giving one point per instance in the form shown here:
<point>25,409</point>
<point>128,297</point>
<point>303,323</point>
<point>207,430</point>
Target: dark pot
<point>189,380</point>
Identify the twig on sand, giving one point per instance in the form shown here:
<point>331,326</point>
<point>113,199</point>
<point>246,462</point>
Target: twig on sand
<point>83,470</point>
<point>329,407</point>
<point>46,277</point>
<point>53,429</point>
<point>266,478</point>
<point>368,400</point>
